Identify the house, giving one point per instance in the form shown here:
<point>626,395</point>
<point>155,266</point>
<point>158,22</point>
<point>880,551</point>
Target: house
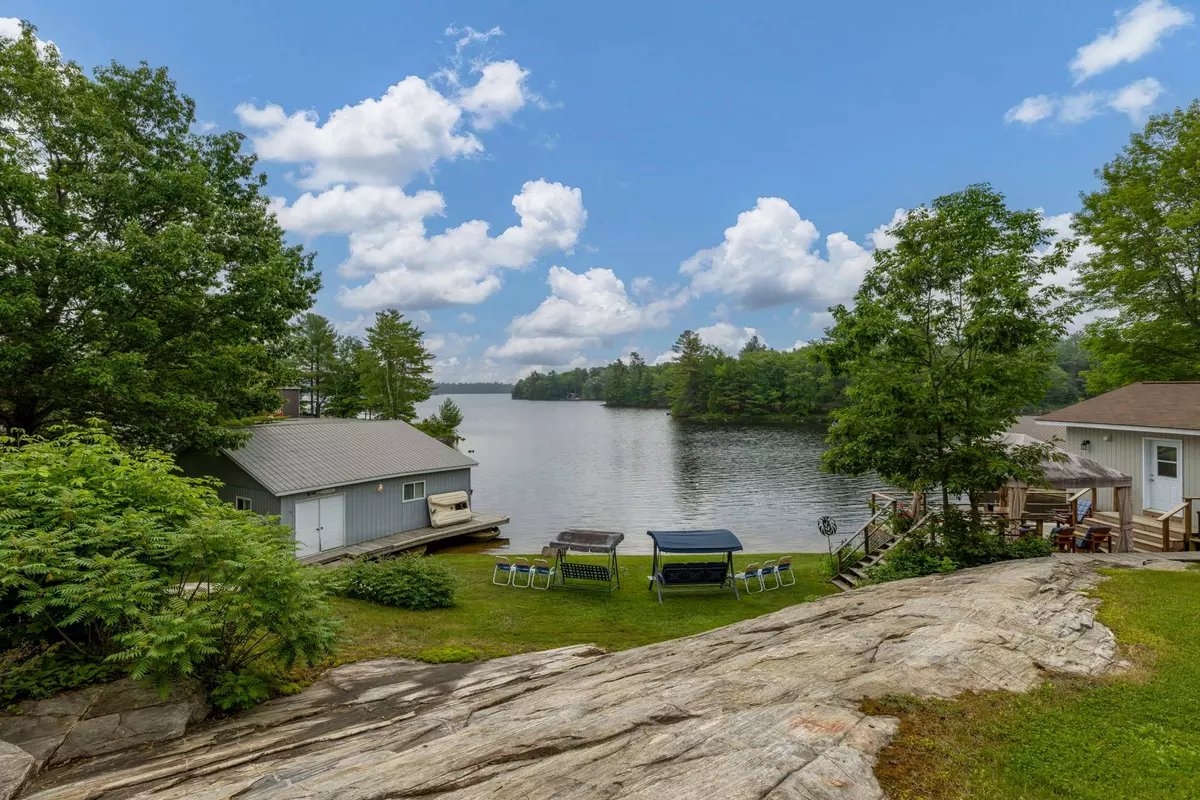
<point>1148,430</point>
<point>337,482</point>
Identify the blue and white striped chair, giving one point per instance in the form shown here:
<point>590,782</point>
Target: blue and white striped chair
<point>522,576</point>
<point>502,573</point>
<point>753,572</point>
<point>541,573</point>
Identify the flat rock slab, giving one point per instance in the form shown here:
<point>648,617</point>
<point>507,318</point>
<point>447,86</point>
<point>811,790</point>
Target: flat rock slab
<point>765,708</point>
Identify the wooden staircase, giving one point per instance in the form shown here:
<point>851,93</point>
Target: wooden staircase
<point>870,545</point>
<point>850,577</point>
<point>1147,531</point>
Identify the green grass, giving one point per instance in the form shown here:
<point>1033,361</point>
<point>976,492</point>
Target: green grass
<point>1131,736</point>
<point>489,621</point>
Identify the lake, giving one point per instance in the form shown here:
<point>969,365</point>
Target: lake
<point>557,465</point>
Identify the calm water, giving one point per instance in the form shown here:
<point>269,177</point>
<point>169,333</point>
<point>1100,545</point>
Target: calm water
<point>557,465</point>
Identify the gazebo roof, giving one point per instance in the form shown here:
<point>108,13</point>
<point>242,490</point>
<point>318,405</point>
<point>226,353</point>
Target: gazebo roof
<point>1071,471</point>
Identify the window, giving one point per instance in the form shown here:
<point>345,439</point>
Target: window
<point>242,504</point>
<point>1168,461</point>
<point>414,491</point>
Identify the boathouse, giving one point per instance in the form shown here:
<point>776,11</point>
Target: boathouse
<point>345,486</point>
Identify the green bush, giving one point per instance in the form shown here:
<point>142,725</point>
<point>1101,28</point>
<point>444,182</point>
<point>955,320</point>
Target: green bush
<point>410,582</point>
<point>111,563</point>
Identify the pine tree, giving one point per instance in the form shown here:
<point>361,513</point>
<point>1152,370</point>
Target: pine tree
<point>394,367</point>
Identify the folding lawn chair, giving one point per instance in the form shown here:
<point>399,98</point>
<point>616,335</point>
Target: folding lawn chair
<point>542,571</point>
<point>502,572</point>
<point>753,572</point>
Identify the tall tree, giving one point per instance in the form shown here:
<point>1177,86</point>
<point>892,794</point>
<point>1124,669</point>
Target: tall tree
<point>143,277</point>
<point>753,345</point>
<point>1145,220</point>
<point>315,347</point>
<point>344,395</point>
<point>394,367</point>
<point>951,334</point>
<point>690,375</point>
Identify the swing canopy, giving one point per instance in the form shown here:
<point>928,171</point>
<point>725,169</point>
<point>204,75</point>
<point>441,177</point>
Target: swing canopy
<point>714,541</point>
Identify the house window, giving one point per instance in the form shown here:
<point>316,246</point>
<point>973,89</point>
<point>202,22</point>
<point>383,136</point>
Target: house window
<point>414,491</point>
<point>242,504</point>
<point>1168,461</point>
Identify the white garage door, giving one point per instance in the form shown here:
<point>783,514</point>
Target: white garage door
<point>320,524</point>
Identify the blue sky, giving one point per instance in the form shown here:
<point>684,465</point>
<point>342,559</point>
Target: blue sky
<point>640,168</point>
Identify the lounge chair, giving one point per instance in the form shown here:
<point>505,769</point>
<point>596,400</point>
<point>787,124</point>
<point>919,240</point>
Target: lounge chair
<point>522,568</point>
<point>1063,537</point>
<point>1096,537</point>
<point>753,572</point>
<point>502,572</point>
<point>1083,510</point>
<point>543,572</point>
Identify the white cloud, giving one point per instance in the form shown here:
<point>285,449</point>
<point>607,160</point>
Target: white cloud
<point>448,345</point>
<point>665,358</point>
<point>10,28</point>
<point>353,209</point>
<point>466,318</point>
<point>499,93</point>
<point>1031,110</point>
<point>1138,31</point>
<point>642,285</point>
<point>583,310</point>
<point>1136,98</point>
<point>460,265</point>
<point>727,337</point>
<point>1080,107</point>
<point>770,256</point>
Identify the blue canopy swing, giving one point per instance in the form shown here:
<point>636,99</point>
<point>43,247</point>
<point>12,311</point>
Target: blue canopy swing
<point>673,576</point>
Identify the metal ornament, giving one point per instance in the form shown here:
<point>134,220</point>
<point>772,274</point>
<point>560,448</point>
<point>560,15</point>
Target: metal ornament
<point>827,527</point>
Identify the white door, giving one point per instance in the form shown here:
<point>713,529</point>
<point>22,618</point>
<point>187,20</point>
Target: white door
<point>333,521</point>
<point>308,527</point>
<point>1164,474</point>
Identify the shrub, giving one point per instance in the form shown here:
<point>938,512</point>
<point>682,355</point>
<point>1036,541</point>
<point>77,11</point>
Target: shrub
<point>410,582</point>
<point>119,565</point>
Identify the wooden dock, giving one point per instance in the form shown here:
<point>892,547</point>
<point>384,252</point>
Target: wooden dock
<point>407,540</point>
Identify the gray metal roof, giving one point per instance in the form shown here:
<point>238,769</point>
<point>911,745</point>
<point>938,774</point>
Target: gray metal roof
<point>310,454</point>
<point>1029,426</point>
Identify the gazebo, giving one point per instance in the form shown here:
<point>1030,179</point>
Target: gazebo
<point>1071,472</point>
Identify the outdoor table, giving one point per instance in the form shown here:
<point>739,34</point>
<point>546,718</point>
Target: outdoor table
<point>584,541</point>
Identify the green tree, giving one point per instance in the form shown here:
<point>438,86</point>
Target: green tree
<point>394,367</point>
<point>1145,220</point>
<point>753,345</point>
<point>950,336</point>
<point>344,395</point>
<point>315,348</point>
<point>143,277</point>
<point>691,375</point>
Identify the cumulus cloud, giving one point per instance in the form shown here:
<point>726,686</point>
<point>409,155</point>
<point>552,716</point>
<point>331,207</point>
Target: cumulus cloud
<point>1138,31</point>
<point>448,345</point>
<point>499,93</point>
<point>583,310</point>
<point>771,256</point>
<point>461,265</point>
<point>466,318</point>
<point>1031,110</point>
<point>353,209</point>
<point>1136,98</point>
<point>1133,100</point>
<point>10,28</point>
<point>727,337</point>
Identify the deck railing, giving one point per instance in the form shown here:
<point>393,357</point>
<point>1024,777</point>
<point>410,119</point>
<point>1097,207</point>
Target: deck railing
<point>1186,509</point>
<point>859,546</point>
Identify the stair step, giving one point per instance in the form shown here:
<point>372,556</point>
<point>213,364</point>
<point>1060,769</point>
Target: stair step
<point>843,584</point>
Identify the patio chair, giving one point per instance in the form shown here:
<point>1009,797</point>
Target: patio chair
<point>502,572</point>
<point>522,569</point>
<point>541,572</point>
<point>1083,508</point>
<point>783,572</point>
<point>753,572</point>
<point>1096,537</point>
<point>1063,538</point>
<point>768,571</point>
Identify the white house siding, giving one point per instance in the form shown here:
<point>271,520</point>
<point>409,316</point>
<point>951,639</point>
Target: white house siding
<point>371,513</point>
<point>1124,450</point>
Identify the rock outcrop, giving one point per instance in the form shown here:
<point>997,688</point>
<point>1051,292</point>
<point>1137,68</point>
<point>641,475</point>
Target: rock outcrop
<point>766,708</point>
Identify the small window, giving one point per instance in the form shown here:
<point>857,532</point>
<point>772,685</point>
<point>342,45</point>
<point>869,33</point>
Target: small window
<point>243,504</point>
<point>1168,461</point>
<point>414,491</point>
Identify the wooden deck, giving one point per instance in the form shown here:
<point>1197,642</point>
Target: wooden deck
<point>407,540</point>
<point>1147,531</point>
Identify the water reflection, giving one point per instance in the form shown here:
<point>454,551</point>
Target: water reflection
<point>552,466</point>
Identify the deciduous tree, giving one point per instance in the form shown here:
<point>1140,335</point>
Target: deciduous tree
<point>143,277</point>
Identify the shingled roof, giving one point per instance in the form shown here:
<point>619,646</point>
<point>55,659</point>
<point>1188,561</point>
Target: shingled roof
<point>306,455</point>
<point>1146,405</point>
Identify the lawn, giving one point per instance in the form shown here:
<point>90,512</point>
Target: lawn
<point>1133,736</point>
<point>488,621</point>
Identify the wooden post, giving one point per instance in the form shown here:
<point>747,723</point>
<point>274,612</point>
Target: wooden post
<point>1166,543</point>
<point>1075,511</point>
<point>1187,525</point>
<point>1117,501</point>
<point>1095,507</point>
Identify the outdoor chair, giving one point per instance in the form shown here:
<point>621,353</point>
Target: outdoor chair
<point>502,572</point>
<point>522,570</point>
<point>1096,537</point>
<point>783,572</point>
<point>542,573</point>
<point>753,572</point>
<point>1063,538</point>
<point>1083,509</point>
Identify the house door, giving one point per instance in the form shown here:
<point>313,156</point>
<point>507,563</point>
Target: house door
<point>1164,474</point>
<point>320,524</point>
<point>308,527</point>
